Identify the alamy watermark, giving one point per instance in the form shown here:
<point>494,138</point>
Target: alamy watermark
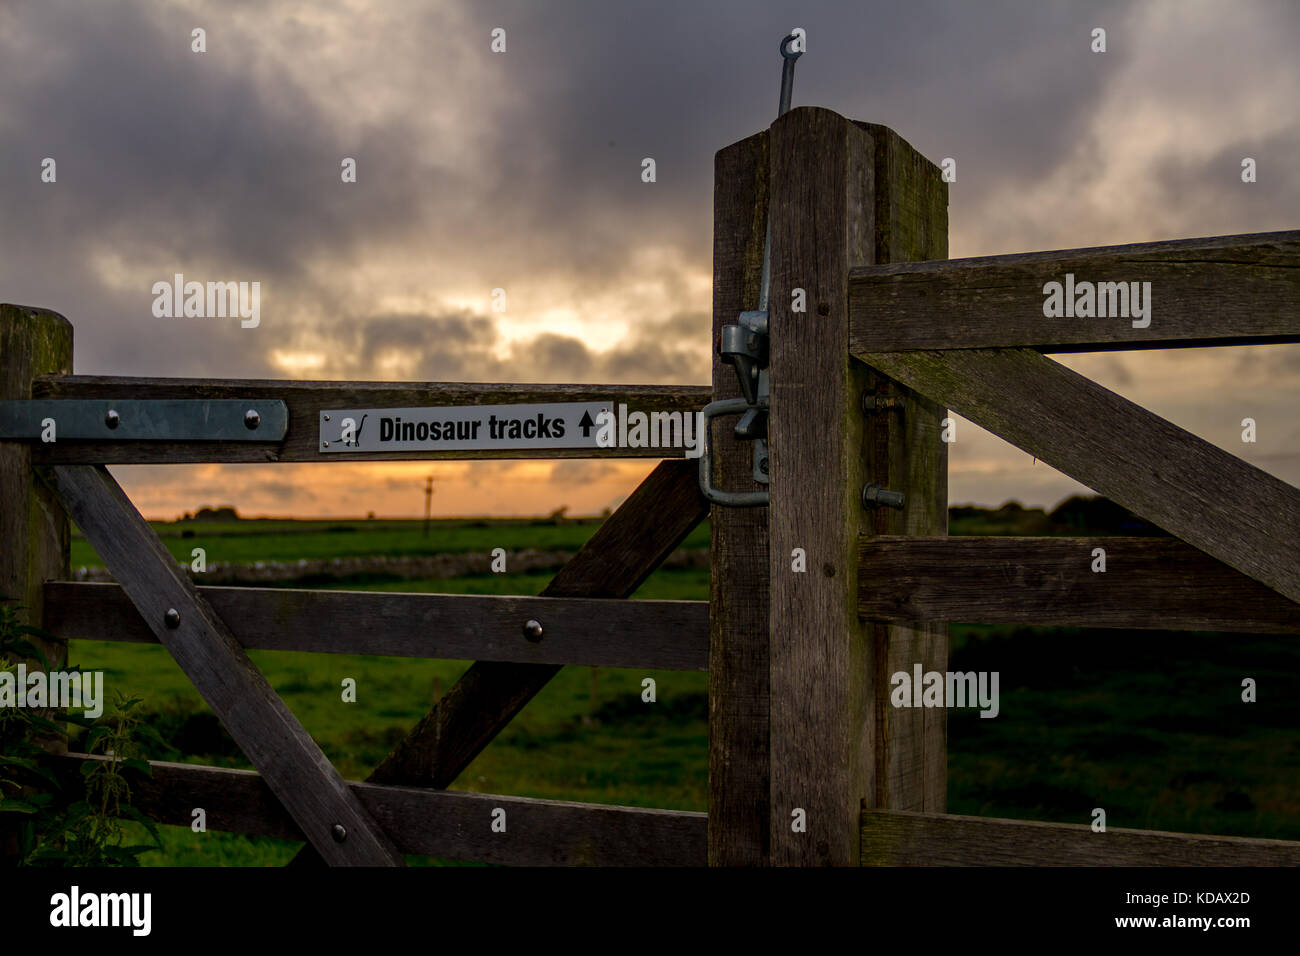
<point>63,690</point>
<point>626,429</point>
<point>213,300</point>
<point>946,689</point>
<point>1086,300</point>
<point>76,909</point>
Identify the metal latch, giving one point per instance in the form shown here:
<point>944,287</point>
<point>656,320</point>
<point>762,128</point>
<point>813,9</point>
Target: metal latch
<point>140,419</point>
<point>745,346</point>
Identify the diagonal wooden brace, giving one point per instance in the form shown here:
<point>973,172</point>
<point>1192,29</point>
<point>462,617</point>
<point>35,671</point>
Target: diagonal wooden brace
<point>301,777</point>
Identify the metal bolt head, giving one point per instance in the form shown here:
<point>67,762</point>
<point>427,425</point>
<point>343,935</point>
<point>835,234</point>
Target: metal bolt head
<point>172,618</point>
<point>252,419</point>
<point>339,832</point>
<point>112,419</point>
<point>533,630</point>
<point>876,496</point>
<point>762,465</point>
<point>327,418</point>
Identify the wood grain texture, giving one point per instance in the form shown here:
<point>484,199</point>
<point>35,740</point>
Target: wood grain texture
<point>891,838</point>
<point>1230,510</point>
<point>738,571</point>
<point>1155,583</point>
<point>902,449</point>
<point>823,172</point>
<point>662,635</point>
<point>1223,290</point>
<point>34,531</point>
<point>307,399</point>
<point>430,822</point>
<point>614,562</point>
<point>843,193</point>
<point>299,775</point>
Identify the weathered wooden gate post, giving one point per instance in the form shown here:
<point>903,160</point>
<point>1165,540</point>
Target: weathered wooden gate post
<point>802,734</point>
<point>34,533</point>
<point>738,571</point>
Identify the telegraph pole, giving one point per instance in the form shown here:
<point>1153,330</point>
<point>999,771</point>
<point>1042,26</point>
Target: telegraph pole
<point>428,502</point>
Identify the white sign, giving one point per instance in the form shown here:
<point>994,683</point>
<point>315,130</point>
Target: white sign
<point>462,427</point>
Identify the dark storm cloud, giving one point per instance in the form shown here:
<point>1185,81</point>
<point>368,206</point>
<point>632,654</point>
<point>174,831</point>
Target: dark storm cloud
<point>168,159</point>
<point>226,163</point>
<point>1005,87</point>
<point>525,167</point>
<point>1222,200</point>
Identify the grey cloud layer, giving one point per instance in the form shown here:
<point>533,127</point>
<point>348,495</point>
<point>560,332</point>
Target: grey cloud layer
<point>525,167</point>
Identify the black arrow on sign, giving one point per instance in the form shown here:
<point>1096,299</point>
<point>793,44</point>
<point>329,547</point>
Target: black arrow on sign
<point>586,424</point>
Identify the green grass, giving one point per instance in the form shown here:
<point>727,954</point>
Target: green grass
<point>248,541</point>
<point>1147,725</point>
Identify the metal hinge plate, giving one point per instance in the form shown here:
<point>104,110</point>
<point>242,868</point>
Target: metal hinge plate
<point>248,420</point>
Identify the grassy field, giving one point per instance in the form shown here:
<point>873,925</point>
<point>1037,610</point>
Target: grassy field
<point>249,541</point>
<point>1147,725</point>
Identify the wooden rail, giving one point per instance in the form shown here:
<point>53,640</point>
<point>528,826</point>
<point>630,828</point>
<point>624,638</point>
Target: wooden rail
<point>900,838</point>
<point>1183,484</point>
<point>306,400</point>
<point>1225,290</point>
<point>1155,583</point>
<point>304,781</point>
<point>436,823</point>
<point>593,632</point>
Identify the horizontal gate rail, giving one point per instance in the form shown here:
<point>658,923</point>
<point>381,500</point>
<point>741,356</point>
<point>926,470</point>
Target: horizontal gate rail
<point>1225,290</point>
<point>307,400</point>
<point>1153,583</point>
<point>592,632</point>
<point>903,838</point>
<point>1229,509</point>
<point>437,823</point>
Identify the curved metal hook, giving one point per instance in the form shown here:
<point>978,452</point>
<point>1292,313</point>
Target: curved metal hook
<point>787,77</point>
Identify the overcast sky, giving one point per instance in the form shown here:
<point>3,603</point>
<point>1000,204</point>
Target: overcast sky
<point>521,170</point>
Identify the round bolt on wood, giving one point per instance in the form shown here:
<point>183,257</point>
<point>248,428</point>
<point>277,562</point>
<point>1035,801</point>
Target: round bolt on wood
<point>112,419</point>
<point>172,618</point>
<point>339,832</point>
<point>533,631</point>
<point>874,496</point>
<point>252,419</point>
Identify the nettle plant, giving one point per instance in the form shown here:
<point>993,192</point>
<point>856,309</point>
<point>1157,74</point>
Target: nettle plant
<point>48,821</point>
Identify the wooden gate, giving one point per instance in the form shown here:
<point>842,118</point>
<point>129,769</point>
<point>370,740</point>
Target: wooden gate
<point>809,763</point>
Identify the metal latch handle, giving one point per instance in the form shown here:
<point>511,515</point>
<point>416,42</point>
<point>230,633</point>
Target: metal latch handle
<point>734,499</point>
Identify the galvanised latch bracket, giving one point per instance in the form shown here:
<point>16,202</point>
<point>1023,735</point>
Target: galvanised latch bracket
<point>133,419</point>
<point>745,347</point>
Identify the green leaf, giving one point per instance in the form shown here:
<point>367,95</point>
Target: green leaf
<point>12,805</point>
<point>50,853</point>
<point>46,724</point>
<point>138,765</point>
<point>144,821</point>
